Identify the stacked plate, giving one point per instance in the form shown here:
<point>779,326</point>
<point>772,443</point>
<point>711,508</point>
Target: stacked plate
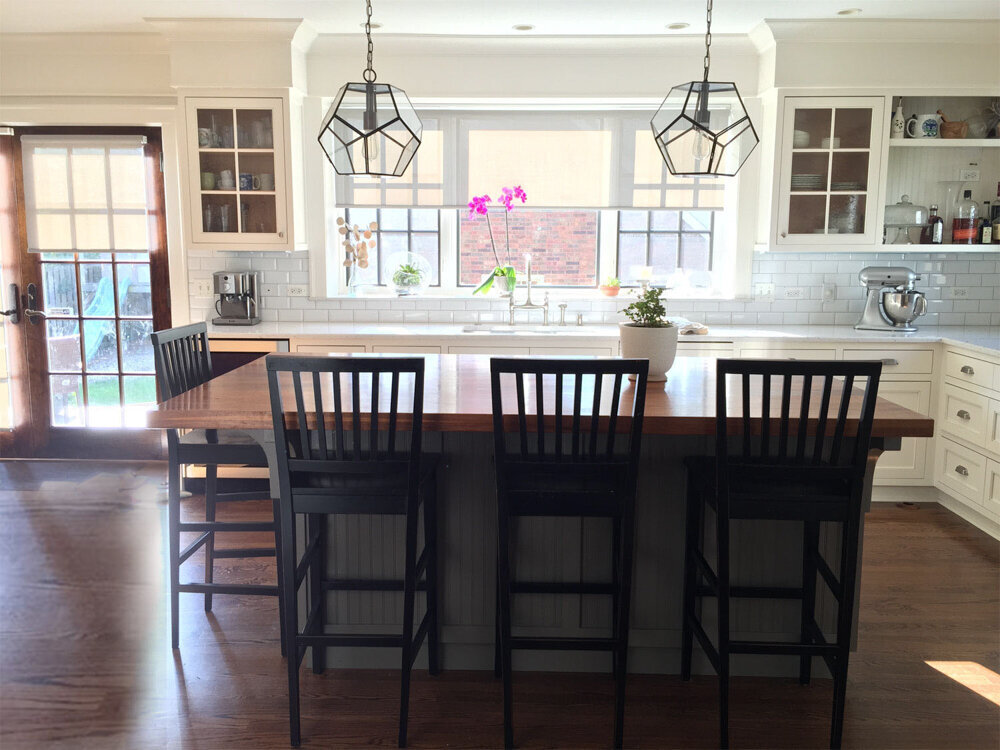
<point>846,186</point>
<point>808,182</point>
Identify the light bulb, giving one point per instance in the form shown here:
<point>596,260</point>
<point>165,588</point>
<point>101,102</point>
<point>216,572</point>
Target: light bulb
<point>372,145</point>
<point>700,149</point>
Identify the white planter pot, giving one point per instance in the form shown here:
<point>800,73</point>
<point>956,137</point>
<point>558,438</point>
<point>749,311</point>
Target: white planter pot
<point>658,345</point>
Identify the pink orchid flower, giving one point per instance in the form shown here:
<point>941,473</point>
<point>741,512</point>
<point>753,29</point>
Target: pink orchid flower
<point>478,205</point>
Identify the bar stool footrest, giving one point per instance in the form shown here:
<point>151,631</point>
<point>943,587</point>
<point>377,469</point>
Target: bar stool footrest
<point>561,587</point>
<point>251,589</point>
<point>563,644</point>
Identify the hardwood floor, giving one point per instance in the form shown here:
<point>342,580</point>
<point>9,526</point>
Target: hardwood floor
<point>85,660</point>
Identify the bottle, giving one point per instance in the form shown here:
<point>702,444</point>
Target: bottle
<point>995,223</point>
<point>897,128</point>
<point>986,225</point>
<point>963,226</point>
<point>933,231</point>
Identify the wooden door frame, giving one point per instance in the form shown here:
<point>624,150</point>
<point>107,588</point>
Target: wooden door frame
<point>35,436</point>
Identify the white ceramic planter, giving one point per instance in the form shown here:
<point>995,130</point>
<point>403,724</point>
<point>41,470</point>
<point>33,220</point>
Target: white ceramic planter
<point>658,345</point>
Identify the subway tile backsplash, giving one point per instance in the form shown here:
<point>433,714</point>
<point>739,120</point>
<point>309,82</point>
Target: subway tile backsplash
<point>961,289</point>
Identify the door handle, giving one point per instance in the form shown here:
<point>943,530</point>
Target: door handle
<point>963,414</point>
<point>890,362</point>
<point>14,313</point>
<point>30,304</point>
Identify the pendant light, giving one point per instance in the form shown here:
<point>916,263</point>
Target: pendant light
<point>702,127</point>
<point>371,128</point>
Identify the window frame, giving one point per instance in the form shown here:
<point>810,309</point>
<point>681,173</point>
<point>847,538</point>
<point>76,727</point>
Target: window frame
<point>679,232</point>
<point>409,232</point>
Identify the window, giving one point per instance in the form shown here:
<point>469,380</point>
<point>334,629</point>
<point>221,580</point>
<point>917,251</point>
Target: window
<point>601,202</point>
<point>666,241</point>
<point>400,230</point>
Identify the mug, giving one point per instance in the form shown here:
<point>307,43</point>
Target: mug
<point>207,181</point>
<point>246,181</point>
<point>923,126</point>
<point>263,182</point>
<point>226,179</point>
<point>204,137</point>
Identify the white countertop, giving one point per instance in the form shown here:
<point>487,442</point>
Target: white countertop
<point>985,338</point>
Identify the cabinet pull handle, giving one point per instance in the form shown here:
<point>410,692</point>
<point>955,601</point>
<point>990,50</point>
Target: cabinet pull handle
<point>963,414</point>
<point>890,362</point>
<point>967,369</point>
<point>961,470</point>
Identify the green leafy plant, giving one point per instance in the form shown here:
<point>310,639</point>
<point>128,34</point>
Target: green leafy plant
<point>612,282</point>
<point>407,275</point>
<point>504,272</point>
<point>648,311</point>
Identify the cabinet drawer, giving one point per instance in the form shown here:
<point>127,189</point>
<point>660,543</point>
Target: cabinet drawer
<point>897,361</point>
<point>964,413</point>
<point>760,353</point>
<point>992,496</point>
<point>405,349</point>
<point>265,346</point>
<point>500,351</point>
<point>565,351</point>
<point>961,471</point>
<point>713,351</point>
<point>969,369</point>
<point>328,348</point>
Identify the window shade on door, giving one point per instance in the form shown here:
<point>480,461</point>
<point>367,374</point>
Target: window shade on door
<point>85,194</point>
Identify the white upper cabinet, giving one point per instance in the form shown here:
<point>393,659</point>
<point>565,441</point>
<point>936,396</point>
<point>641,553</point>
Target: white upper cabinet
<point>238,181</point>
<point>828,164</point>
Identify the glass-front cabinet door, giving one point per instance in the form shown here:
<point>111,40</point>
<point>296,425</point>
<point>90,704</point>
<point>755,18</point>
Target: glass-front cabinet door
<point>237,170</point>
<point>831,150</point>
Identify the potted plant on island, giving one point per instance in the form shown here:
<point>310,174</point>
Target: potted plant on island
<point>611,287</point>
<point>648,334</point>
<point>505,271</point>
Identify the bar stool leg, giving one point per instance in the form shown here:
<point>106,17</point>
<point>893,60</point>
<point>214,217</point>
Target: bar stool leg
<point>317,526</point>
<point>276,512</point>
<point>431,572</point>
<point>810,542</point>
<point>722,524</point>
<point>625,597</point>
<point>616,551</point>
<point>503,601</point>
<point>409,590</point>
<point>845,617</point>
<point>289,604</point>
<point>211,490</point>
<point>691,545</point>
<point>174,519</point>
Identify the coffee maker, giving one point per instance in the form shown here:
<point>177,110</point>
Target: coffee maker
<point>892,304</point>
<point>238,298</point>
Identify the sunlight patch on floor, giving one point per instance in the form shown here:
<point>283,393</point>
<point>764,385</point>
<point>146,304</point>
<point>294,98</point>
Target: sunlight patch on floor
<point>974,676</point>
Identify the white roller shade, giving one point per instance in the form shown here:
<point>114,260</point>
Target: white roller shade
<point>85,193</point>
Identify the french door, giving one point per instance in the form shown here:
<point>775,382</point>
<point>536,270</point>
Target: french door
<point>85,243</point>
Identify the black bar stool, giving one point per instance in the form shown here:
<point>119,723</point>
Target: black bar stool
<point>806,465</point>
<point>345,472</point>
<point>583,471</point>
<point>183,361</point>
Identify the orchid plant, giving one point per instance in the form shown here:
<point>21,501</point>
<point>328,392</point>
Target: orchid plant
<point>479,205</point>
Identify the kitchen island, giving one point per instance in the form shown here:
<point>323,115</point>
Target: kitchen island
<point>679,421</point>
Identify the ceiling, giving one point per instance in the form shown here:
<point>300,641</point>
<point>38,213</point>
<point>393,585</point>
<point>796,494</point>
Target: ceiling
<point>473,17</point>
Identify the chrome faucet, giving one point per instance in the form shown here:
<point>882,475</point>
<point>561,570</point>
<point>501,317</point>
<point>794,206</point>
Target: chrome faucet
<point>528,304</point>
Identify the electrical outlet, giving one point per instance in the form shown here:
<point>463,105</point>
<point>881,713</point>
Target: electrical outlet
<point>269,290</point>
<point>968,175</point>
<point>297,290</point>
<point>204,288</point>
<point>959,292</point>
<point>763,292</point>
<point>829,292</point>
<point>795,292</point>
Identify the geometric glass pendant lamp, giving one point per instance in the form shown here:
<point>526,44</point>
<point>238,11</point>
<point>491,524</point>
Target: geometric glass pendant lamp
<point>702,127</point>
<point>371,128</point>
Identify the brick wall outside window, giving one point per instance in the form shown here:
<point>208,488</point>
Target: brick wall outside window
<point>563,245</point>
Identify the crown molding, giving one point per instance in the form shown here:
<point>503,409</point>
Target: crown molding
<point>226,29</point>
<point>879,30</point>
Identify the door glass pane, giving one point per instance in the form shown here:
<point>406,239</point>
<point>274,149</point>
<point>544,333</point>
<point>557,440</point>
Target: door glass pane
<point>140,397</point>
<point>63,339</point>
<point>66,395</point>
<point>103,401</point>
<point>137,351</point>
<point>850,171</point>
<point>59,285</point>
<point>811,127</point>
<point>847,214</point>
<point>135,298</point>
<point>97,290</point>
<point>853,128</point>
<point>807,214</point>
<point>100,345</point>
<point>809,172</point>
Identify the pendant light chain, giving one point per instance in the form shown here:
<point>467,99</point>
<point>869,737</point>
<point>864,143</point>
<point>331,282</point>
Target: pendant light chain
<point>369,73</point>
<point>708,37</point>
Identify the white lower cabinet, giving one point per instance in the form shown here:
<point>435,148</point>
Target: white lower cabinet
<point>328,348</point>
<point>992,497</point>
<point>697,349</point>
<point>565,351</point>
<point>907,466</point>
<point>499,351</point>
<point>961,471</point>
<point>405,349</point>
<point>792,354</point>
<point>963,413</point>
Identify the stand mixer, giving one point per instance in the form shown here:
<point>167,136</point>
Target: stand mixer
<point>892,304</point>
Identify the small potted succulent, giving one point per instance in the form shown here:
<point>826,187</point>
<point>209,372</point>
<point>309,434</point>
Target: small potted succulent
<point>648,334</point>
<point>411,274</point>
<point>611,287</point>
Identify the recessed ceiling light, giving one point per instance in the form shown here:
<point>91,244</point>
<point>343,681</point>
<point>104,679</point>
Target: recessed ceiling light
<point>677,26</point>
<point>522,27</point>
<point>374,25</point>
<point>849,12</point>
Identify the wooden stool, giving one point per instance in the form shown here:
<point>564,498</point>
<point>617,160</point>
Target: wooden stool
<point>805,465</point>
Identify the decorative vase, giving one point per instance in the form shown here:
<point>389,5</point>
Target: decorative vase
<point>897,128</point>
<point>410,273</point>
<point>504,285</point>
<point>658,345</point>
